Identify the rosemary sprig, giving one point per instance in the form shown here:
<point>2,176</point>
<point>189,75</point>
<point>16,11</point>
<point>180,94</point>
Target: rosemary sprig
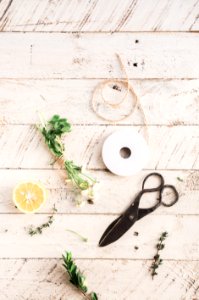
<point>76,276</point>
<point>157,260</point>
<point>53,131</point>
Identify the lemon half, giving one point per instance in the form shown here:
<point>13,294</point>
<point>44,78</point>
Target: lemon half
<point>29,197</point>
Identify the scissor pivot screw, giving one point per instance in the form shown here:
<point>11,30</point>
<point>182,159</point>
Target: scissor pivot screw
<point>131,217</point>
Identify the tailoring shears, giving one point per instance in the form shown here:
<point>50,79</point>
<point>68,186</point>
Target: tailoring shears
<point>133,213</point>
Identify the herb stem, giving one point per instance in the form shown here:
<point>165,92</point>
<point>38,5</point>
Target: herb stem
<point>79,235</point>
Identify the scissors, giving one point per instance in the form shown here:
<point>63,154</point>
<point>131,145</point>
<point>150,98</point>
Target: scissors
<point>133,213</point>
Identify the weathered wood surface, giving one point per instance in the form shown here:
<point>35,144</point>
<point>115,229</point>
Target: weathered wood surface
<point>69,47</point>
<point>113,194</point>
<point>165,102</point>
<point>91,55</point>
<point>99,15</point>
<point>182,243</point>
<point>178,280</point>
<point>171,147</point>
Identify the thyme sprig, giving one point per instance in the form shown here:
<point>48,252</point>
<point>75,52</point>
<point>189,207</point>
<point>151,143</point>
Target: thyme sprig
<point>157,260</point>
<point>76,276</point>
<point>32,230</point>
<point>39,229</point>
<point>53,131</point>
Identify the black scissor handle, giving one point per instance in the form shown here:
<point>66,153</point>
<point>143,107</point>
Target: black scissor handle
<point>176,195</point>
<point>156,189</point>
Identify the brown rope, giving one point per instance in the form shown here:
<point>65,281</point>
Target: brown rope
<point>98,91</point>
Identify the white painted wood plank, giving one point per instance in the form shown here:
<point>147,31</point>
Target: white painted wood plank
<point>92,55</point>
<point>85,15</point>
<point>113,196</point>
<point>182,243</point>
<point>46,279</point>
<point>171,147</point>
<point>21,99</point>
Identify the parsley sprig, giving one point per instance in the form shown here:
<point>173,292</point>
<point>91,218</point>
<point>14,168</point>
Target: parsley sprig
<point>53,131</point>
<point>157,260</point>
<point>76,276</point>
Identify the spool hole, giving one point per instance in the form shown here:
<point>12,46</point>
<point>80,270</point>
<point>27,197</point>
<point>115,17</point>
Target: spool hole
<point>125,152</point>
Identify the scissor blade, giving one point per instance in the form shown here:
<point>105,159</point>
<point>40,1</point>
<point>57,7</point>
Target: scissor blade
<point>116,229</point>
<point>107,231</point>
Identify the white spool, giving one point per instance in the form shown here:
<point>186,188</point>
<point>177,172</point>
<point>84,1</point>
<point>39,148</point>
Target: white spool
<point>125,152</point>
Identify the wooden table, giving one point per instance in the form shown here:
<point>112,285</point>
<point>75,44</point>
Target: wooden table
<point>52,56</point>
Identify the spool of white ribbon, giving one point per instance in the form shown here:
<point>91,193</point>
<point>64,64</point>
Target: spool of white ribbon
<point>125,152</point>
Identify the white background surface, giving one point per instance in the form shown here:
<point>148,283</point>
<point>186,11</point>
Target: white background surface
<point>52,55</point>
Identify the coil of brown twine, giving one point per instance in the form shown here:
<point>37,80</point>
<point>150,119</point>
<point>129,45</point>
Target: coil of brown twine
<point>106,109</point>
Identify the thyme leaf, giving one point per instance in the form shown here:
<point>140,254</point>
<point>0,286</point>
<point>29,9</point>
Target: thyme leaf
<point>179,179</point>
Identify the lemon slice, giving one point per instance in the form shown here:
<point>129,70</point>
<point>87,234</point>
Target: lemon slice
<point>29,196</point>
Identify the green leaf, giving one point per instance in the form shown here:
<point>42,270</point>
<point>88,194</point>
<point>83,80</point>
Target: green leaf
<point>94,296</point>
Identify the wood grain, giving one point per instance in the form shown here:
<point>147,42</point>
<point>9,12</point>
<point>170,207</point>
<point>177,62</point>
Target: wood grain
<point>171,147</point>
<point>175,278</point>
<point>113,195</point>
<point>20,101</point>
<point>85,15</point>
<point>90,55</point>
<point>52,55</point>
<point>182,243</point>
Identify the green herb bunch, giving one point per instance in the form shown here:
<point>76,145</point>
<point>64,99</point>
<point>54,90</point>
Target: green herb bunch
<point>76,276</point>
<point>157,260</point>
<point>53,131</point>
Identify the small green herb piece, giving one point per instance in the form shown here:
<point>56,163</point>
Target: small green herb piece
<point>54,209</point>
<point>94,296</point>
<point>84,239</point>
<point>76,276</point>
<point>157,260</point>
<point>53,131</point>
<point>179,179</point>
